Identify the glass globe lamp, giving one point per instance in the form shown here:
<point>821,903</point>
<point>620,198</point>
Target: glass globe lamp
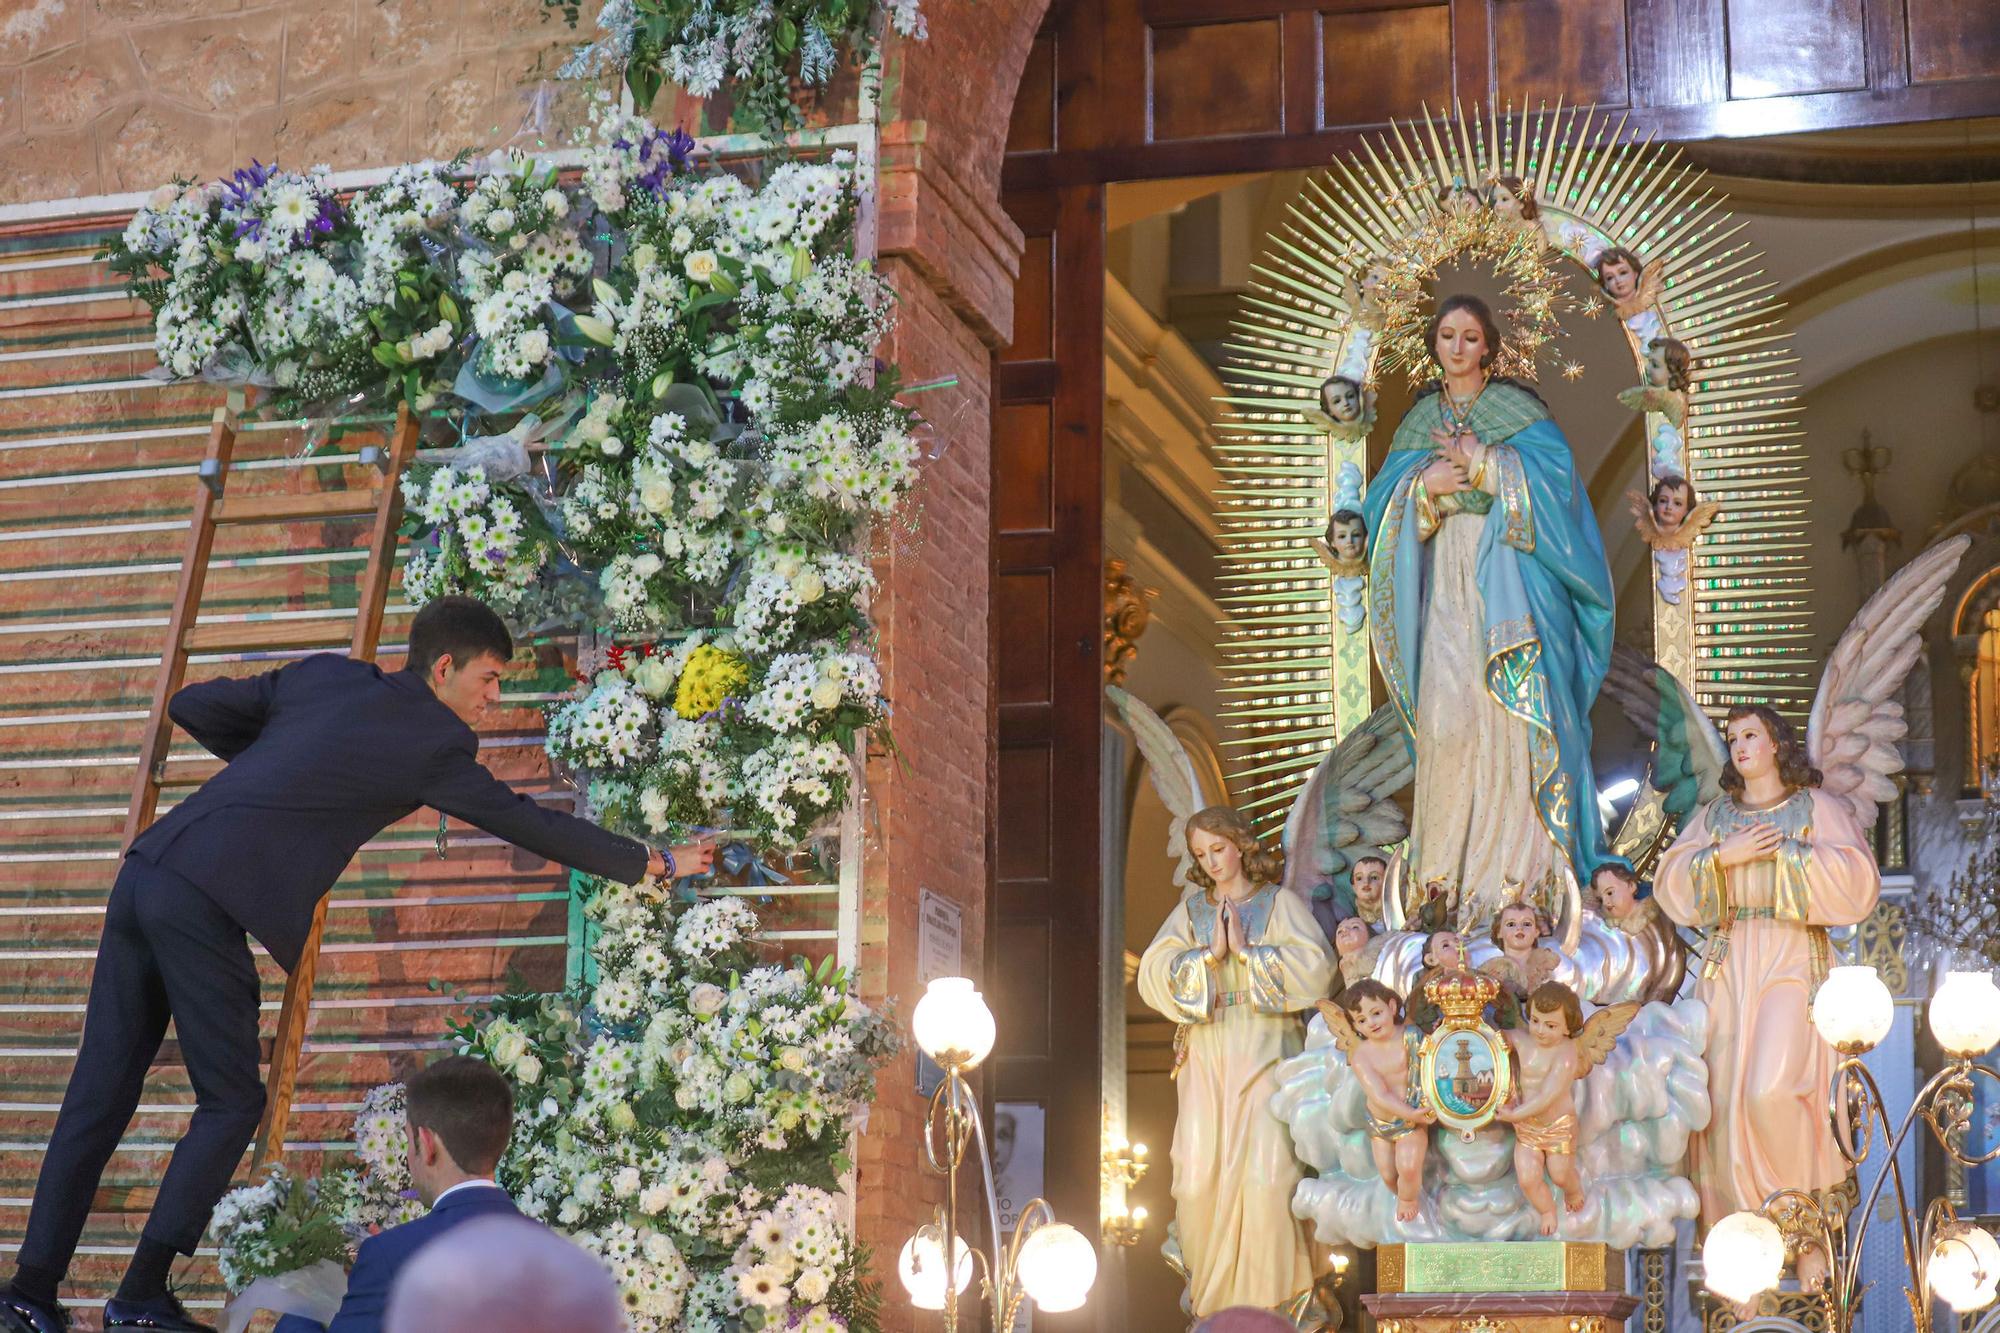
<point>953,1026</point>
<point>1965,1014</point>
<point>1853,1009</point>
<point>921,1267</point>
<point>1057,1266</point>
<point>1964,1267</point>
<point>1743,1257</point>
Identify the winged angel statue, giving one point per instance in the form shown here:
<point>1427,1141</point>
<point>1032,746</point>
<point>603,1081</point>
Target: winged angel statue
<point>1775,848</point>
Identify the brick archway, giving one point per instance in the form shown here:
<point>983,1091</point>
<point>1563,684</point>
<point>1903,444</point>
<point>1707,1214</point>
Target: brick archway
<point>952,254</point>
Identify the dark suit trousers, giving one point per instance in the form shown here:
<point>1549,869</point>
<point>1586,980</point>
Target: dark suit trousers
<point>167,952</point>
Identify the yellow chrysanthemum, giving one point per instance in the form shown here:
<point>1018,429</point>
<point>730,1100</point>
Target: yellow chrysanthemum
<point>710,676</point>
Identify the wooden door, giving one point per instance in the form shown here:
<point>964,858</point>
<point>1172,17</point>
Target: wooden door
<point>1048,618</point>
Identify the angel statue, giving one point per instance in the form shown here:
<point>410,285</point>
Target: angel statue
<point>1779,851</point>
<point>1628,282</point>
<point>1557,1049</point>
<point>1490,615</point>
<point>1235,965</point>
<point>1664,384</point>
<point>1670,521</point>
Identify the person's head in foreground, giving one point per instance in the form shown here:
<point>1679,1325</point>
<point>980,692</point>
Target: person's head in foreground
<point>460,1111</point>
<point>1243,1319</point>
<point>504,1275</point>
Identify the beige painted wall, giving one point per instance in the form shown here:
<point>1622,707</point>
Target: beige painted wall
<point>106,96</point>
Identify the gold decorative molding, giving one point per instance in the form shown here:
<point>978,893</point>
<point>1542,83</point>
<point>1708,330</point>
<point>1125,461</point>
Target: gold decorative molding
<point>1128,610</point>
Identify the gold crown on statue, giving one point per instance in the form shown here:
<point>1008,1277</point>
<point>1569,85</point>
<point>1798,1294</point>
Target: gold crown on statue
<point>1462,996</point>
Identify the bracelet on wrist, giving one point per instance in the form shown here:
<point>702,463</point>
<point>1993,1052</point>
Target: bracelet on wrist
<point>667,856</point>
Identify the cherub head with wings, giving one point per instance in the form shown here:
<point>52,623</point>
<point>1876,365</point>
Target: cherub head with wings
<point>1367,1010</point>
<point>1672,516</point>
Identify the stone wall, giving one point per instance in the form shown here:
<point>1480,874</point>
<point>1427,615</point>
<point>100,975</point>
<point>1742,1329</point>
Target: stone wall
<point>107,96</point>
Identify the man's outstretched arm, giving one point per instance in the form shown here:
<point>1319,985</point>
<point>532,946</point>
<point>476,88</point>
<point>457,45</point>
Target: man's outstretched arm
<point>225,714</point>
<point>460,786</point>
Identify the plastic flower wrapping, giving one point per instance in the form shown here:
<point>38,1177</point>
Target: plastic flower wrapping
<point>684,1115</point>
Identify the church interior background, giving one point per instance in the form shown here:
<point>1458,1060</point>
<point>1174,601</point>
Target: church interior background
<point>1901,427</point>
<point>1072,198</point>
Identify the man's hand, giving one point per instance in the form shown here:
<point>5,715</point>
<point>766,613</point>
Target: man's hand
<point>694,858</point>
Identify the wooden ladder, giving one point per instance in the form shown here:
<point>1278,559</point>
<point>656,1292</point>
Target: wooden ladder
<point>214,508</point>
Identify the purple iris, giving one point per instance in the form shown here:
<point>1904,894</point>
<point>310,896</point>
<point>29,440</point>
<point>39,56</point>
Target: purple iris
<point>661,155</point>
<point>329,217</point>
<point>242,186</point>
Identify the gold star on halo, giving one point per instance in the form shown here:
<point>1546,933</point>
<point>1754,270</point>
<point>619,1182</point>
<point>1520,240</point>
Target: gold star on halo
<point>1572,370</point>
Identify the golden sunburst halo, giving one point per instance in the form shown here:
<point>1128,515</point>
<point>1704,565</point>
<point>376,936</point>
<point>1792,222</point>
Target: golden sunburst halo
<point>1297,680</point>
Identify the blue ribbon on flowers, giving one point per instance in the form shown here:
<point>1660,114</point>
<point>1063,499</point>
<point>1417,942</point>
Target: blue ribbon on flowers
<point>738,858</point>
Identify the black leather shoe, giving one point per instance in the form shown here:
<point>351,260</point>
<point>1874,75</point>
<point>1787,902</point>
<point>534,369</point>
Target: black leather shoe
<point>163,1314</point>
<point>18,1314</point>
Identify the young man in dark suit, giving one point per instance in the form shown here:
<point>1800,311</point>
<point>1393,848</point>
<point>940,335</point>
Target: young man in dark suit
<point>460,1112</point>
<point>322,755</point>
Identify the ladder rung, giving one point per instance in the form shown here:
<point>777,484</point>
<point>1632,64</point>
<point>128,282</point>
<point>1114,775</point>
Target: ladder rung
<point>125,1199</point>
<point>313,504</point>
<point>243,636</point>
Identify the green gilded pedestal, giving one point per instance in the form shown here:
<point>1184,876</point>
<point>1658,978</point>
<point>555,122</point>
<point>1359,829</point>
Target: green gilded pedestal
<point>1500,1266</point>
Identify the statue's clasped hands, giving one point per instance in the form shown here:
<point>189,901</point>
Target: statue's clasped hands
<point>1754,842</point>
<point>1230,938</point>
<point>1451,471</point>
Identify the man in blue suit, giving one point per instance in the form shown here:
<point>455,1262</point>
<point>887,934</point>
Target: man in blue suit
<point>320,756</point>
<point>460,1112</point>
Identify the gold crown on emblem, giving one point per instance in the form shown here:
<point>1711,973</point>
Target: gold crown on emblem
<point>1462,996</point>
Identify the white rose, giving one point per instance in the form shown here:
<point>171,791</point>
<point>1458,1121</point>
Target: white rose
<point>793,1058</point>
<point>812,1284</point>
<point>644,257</point>
<point>500,219</point>
<point>535,345</point>
<point>653,1199</point>
<point>808,587</point>
<point>737,1088</point>
<point>706,999</point>
<point>612,446</point>
<point>826,694</point>
<point>527,1069</point>
<point>518,241</point>
<point>654,680</point>
<point>701,266</point>
<point>620,1119</point>
<point>557,205</point>
<point>508,1048</point>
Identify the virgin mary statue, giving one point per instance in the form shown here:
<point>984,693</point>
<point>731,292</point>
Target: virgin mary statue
<point>1490,614</point>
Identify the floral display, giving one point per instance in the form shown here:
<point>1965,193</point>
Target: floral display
<point>684,1116</point>
<point>758,51</point>
<point>695,351</point>
<point>693,355</point>
<point>471,537</point>
<point>284,1223</point>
